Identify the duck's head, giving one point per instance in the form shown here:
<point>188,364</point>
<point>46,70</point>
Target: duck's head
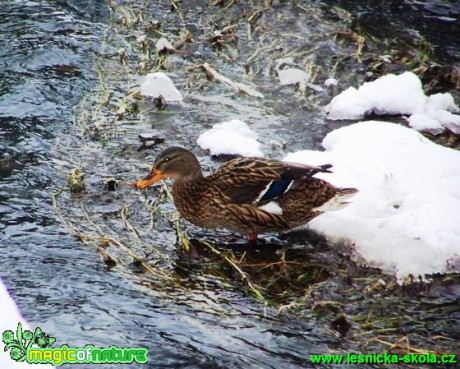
<point>174,162</point>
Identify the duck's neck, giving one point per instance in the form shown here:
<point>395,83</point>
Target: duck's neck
<point>190,172</point>
<point>187,194</point>
<point>188,179</point>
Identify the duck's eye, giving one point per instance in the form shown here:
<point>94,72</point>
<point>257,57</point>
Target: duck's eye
<point>166,159</point>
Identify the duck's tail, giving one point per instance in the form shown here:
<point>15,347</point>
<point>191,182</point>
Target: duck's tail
<point>339,200</point>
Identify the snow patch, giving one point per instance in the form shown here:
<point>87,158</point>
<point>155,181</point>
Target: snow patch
<point>233,137</point>
<point>397,94</point>
<point>159,84</point>
<point>331,82</point>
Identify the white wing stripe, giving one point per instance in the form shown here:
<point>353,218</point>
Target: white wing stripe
<point>272,207</point>
<point>264,191</point>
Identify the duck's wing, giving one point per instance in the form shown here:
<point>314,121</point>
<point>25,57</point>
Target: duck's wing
<point>257,181</point>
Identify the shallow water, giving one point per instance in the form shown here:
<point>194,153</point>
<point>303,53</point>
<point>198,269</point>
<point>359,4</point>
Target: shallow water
<point>200,320</point>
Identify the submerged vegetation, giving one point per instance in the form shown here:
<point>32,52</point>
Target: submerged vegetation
<point>223,55</point>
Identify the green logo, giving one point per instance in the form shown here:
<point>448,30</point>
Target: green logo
<point>24,340</point>
<point>35,348</point>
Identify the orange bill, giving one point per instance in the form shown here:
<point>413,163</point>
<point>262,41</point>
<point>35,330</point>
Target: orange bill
<point>154,176</point>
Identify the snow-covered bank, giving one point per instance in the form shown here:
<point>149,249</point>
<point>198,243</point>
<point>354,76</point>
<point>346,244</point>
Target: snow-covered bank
<point>9,319</point>
<point>405,217</point>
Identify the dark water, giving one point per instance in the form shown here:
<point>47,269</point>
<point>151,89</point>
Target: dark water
<point>436,21</point>
<point>47,51</point>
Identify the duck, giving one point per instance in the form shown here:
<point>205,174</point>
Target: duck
<point>246,195</point>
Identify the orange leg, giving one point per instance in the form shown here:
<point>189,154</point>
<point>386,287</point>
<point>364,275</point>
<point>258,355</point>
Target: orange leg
<point>252,239</point>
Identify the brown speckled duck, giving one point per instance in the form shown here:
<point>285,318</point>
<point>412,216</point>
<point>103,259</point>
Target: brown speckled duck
<point>246,195</point>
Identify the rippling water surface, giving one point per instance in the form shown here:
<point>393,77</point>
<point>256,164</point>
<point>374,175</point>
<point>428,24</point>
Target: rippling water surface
<point>47,51</point>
